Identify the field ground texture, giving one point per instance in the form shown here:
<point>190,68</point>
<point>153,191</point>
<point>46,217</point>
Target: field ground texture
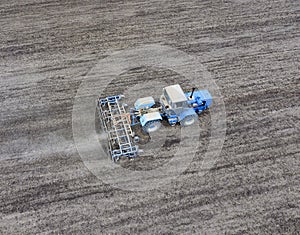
<point>252,50</point>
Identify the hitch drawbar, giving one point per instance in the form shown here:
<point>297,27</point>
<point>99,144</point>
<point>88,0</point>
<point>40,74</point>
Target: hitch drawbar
<point>117,124</point>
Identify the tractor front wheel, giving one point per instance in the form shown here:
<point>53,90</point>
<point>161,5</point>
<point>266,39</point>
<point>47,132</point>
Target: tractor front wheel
<point>188,120</point>
<point>152,126</point>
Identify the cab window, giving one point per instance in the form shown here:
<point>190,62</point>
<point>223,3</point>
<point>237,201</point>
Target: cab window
<point>167,97</point>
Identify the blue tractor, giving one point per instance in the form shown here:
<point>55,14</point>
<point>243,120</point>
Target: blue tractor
<point>174,105</point>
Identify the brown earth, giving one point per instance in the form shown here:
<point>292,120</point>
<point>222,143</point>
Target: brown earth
<point>251,48</point>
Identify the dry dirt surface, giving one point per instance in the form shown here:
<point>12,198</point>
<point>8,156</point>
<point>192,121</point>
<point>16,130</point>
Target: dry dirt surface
<point>252,50</point>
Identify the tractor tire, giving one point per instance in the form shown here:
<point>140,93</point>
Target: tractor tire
<point>152,126</point>
<point>188,120</point>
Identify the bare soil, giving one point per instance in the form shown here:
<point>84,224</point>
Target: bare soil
<point>251,48</point>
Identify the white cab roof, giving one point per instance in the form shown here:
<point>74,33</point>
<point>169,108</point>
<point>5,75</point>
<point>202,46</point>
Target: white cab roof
<point>175,93</point>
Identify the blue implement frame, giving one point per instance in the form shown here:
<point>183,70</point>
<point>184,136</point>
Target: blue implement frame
<point>117,124</point>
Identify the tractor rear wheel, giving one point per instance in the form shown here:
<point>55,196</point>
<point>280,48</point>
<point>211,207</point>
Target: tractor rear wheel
<point>152,126</point>
<point>188,120</point>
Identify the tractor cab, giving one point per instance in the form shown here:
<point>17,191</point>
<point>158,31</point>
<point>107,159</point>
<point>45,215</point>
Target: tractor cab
<point>173,98</point>
<point>176,107</point>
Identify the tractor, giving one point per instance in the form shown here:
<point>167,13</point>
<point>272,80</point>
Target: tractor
<point>174,105</point>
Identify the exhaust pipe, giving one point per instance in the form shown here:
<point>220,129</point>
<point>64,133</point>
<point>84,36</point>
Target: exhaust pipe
<point>191,96</point>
